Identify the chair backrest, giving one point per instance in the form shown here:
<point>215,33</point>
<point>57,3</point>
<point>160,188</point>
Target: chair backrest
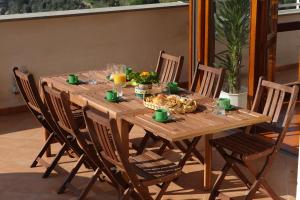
<point>269,100</point>
<point>211,81</point>
<point>59,106</point>
<point>31,96</point>
<point>169,67</point>
<point>28,89</point>
<point>99,128</point>
<point>105,136</point>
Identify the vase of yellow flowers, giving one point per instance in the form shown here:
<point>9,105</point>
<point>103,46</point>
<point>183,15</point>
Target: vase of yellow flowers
<point>144,81</point>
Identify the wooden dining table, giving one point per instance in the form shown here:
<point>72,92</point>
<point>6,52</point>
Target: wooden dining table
<point>204,122</point>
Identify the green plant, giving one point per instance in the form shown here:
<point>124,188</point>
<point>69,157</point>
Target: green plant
<point>144,77</point>
<point>232,30</point>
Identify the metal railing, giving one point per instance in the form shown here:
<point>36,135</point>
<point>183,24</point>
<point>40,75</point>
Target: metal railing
<point>290,7</point>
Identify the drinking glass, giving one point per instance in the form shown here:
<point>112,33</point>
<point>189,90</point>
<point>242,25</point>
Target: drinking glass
<point>219,110</point>
<point>120,75</point>
<point>119,78</point>
<point>165,88</point>
<point>109,71</point>
<point>92,78</point>
<point>119,89</point>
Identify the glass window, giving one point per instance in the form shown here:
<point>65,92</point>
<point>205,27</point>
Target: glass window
<point>31,6</point>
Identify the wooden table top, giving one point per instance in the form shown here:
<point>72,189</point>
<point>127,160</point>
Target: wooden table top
<point>93,95</point>
<point>202,122</point>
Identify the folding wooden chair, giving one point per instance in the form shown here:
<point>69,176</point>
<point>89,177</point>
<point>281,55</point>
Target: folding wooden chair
<point>31,96</point>
<point>211,81</point>
<point>245,148</point>
<point>169,67</point>
<point>141,171</point>
<point>60,109</point>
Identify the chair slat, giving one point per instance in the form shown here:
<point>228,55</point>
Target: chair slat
<point>205,91</point>
<point>203,83</point>
<point>274,103</point>
<point>211,84</point>
<point>279,106</point>
<point>268,102</point>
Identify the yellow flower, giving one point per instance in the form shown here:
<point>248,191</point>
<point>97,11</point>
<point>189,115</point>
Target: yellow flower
<point>145,73</point>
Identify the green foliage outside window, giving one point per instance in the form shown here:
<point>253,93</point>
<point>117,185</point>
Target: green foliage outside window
<point>31,6</point>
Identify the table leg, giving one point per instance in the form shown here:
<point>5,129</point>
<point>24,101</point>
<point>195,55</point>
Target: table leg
<point>48,151</point>
<point>207,163</point>
<point>124,129</point>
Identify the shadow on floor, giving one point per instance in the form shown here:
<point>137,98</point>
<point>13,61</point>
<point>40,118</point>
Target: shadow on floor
<point>17,122</point>
<point>30,186</point>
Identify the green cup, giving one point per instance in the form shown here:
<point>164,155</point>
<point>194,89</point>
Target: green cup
<point>224,103</point>
<point>173,87</point>
<point>111,95</point>
<point>161,115</point>
<point>72,78</point>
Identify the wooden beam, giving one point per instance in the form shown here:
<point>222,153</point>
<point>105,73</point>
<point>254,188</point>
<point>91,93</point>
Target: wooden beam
<point>288,26</point>
<point>191,42</point>
<point>257,50</point>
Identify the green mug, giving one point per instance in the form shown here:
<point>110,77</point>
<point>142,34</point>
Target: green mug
<point>111,95</point>
<point>173,87</point>
<point>161,114</point>
<point>72,78</point>
<point>224,103</point>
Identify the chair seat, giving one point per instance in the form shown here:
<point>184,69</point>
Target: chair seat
<point>246,145</point>
<point>149,165</point>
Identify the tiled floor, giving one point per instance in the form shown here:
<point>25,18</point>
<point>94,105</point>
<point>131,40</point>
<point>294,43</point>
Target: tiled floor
<point>21,138</point>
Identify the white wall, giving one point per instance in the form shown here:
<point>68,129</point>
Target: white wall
<point>55,45</point>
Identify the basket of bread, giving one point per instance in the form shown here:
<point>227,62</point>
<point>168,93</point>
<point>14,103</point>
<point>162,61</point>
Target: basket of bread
<point>173,103</point>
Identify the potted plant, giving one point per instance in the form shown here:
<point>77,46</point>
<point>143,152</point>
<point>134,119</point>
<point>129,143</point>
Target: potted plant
<point>143,82</point>
<point>232,30</point>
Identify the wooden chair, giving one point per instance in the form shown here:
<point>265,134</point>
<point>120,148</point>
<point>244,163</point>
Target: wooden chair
<point>169,67</point>
<point>245,148</point>
<point>211,81</point>
<point>142,171</point>
<point>60,109</point>
<point>31,96</point>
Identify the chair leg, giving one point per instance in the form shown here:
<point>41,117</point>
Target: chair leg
<point>55,161</point>
<point>163,190</point>
<point>269,190</point>
<point>71,175</point>
<point>195,152</point>
<point>253,189</point>
<point>90,184</point>
<point>215,190</point>
<point>126,194</point>
<point>143,143</point>
<point>241,176</point>
<point>162,148</point>
<point>188,151</point>
<point>43,150</point>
